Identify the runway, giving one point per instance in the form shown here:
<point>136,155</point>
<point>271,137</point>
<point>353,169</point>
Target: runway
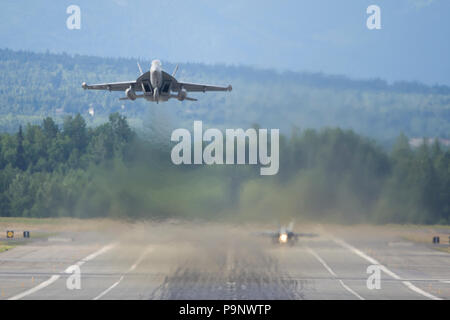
<point>223,262</point>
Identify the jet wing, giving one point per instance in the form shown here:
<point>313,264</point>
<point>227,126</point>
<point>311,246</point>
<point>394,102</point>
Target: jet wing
<point>194,87</point>
<point>113,86</point>
<point>267,234</point>
<point>306,235</point>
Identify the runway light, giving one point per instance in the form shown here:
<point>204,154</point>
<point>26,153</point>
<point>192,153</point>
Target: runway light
<point>283,238</point>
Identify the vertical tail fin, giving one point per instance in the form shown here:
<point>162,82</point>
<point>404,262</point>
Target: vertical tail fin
<point>140,69</point>
<point>175,71</point>
<point>291,226</point>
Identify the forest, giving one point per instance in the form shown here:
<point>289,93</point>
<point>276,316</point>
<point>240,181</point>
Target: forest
<point>37,85</point>
<point>108,170</point>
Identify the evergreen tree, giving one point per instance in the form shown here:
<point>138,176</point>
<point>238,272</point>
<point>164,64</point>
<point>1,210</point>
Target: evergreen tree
<point>50,128</point>
<point>20,161</point>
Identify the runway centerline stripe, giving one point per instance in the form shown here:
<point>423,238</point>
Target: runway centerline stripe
<point>138,261</point>
<point>55,277</point>
<point>408,284</point>
<point>319,258</point>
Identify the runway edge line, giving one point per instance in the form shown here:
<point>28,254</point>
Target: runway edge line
<point>408,284</point>
<point>55,277</point>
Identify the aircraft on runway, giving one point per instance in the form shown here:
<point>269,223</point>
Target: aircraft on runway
<point>286,235</point>
<point>156,85</point>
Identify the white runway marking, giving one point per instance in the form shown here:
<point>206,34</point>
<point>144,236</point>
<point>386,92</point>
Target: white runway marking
<point>96,254</point>
<point>109,289</point>
<point>55,277</point>
<point>316,255</point>
<point>141,257</point>
<point>408,284</point>
<point>37,288</point>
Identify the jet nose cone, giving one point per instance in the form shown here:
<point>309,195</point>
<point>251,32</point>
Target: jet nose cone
<point>230,88</point>
<point>84,85</point>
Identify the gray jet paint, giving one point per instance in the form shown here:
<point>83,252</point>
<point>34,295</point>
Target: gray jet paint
<point>156,85</point>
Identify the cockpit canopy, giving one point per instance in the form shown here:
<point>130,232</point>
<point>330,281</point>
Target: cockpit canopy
<point>156,63</point>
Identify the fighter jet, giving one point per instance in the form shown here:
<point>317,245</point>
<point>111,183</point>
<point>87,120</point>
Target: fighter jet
<point>156,85</point>
<point>285,235</point>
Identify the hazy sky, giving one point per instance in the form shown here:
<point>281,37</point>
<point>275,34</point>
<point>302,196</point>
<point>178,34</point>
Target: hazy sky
<point>318,35</point>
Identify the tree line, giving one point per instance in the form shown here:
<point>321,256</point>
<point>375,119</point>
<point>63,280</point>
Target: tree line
<point>33,85</point>
<point>44,167</point>
<point>51,170</point>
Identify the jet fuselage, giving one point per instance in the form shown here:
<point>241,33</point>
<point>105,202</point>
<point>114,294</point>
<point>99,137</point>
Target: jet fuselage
<point>156,79</point>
